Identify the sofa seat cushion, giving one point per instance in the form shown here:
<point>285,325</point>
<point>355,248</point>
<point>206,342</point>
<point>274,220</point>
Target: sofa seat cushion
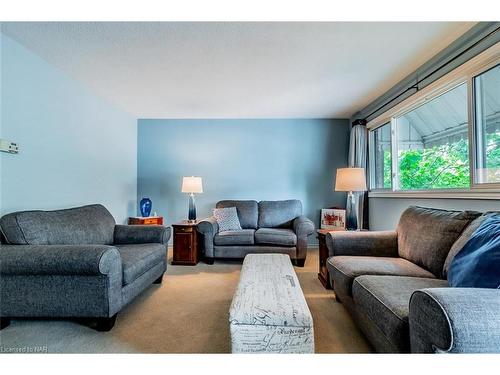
<point>239,252</point>
<point>138,259</point>
<point>274,236</point>
<point>235,237</point>
<point>344,269</point>
<point>385,301</point>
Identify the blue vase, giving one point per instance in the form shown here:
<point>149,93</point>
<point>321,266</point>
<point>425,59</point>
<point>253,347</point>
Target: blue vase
<point>145,206</point>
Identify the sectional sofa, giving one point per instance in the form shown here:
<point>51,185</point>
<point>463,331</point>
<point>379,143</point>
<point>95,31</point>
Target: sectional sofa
<point>394,285</point>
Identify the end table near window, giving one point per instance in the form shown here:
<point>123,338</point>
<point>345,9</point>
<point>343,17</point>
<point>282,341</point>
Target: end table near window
<point>186,246</point>
<point>323,275</point>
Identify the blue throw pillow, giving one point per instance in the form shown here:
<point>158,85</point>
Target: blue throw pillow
<point>477,265</point>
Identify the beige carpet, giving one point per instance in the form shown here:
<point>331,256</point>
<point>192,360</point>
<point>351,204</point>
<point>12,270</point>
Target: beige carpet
<point>186,314</point>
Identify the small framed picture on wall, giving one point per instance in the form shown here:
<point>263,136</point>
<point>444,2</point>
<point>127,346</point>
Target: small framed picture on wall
<point>333,218</point>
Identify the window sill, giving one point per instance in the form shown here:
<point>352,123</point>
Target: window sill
<point>456,194</point>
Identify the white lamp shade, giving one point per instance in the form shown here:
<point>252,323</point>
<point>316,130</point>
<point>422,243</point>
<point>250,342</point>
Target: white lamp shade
<point>350,179</point>
<point>192,185</point>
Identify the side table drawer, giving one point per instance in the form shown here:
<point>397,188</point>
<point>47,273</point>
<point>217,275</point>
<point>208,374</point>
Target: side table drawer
<point>152,221</point>
<point>184,229</point>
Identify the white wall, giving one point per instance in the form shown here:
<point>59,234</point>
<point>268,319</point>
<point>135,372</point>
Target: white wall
<point>385,212</point>
<point>76,148</point>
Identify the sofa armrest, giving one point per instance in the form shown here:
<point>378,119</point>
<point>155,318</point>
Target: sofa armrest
<point>455,320</point>
<point>303,226</point>
<point>363,243</point>
<point>59,260</point>
<point>137,234</point>
<point>208,228</point>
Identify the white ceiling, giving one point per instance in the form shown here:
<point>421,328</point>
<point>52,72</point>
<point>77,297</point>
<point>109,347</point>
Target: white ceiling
<point>237,70</point>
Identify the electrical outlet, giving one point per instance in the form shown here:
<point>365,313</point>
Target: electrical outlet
<point>8,146</point>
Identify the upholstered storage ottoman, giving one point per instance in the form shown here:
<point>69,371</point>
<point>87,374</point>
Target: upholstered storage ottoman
<point>269,313</point>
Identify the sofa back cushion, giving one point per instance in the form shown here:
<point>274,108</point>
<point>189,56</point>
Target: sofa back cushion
<point>248,212</point>
<point>278,214</point>
<point>462,240</point>
<point>91,224</point>
<point>425,235</point>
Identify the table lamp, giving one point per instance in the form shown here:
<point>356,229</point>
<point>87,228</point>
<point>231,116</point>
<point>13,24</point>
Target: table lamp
<point>351,179</point>
<point>192,185</point>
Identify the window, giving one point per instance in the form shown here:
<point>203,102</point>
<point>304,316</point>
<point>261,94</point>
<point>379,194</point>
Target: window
<point>381,175</point>
<point>487,126</point>
<point>444,140</point>
<point>432,143</point>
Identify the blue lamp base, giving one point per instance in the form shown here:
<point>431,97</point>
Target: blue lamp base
<point>352,213</point>
<point>192,208</point>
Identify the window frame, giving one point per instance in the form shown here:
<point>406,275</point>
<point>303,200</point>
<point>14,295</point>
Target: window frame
<point>462,74</point>
<point>427,98</point>
<point>371,156</point>
<point>473,132</point>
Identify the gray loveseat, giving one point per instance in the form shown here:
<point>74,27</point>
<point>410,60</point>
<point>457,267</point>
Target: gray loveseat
<point>76,263</point>
<point>267,227</point>
<point>394,285</point>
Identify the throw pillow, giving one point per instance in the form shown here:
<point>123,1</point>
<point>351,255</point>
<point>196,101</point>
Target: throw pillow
<point>462,240</point>
<point>227,218</point>
<point>477,264</point>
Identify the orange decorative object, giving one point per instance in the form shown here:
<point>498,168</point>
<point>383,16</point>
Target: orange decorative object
<point>152,220</point>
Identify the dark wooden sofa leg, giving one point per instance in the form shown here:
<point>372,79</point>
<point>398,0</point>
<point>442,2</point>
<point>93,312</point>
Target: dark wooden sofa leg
<point>4,322</point>
<point>158,280</point>
<point>209,260</point>
<point>105,324</point>
<point>299,262</point>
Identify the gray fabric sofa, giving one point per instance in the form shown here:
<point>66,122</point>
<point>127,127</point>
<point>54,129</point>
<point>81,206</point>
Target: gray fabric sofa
<point>394,285</point>
<point>267,227</point>
<point>76,263</point>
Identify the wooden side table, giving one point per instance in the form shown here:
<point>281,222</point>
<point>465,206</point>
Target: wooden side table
<point>151,220</point>
<point>186,247</point>
<point>323,274</point>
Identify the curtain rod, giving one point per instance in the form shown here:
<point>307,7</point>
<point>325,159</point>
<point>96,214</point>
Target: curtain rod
<point>415,86</point>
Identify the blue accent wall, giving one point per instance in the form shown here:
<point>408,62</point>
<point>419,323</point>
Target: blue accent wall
<point>76,148</point>
<point>241,159</point>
